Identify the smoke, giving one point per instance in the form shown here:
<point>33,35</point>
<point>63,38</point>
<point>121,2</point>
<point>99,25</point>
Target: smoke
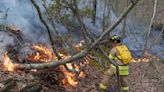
<point>5,39</point>
<point>23,15</point>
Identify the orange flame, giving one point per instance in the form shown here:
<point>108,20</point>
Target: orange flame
<point>82,74</point>
<point>70,78</point>
<point>43,54</point>
<point>8,65</point>
<point>141,60</point>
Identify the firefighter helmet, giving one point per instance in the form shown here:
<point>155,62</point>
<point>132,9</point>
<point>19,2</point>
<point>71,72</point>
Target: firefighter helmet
<point>115,38</point>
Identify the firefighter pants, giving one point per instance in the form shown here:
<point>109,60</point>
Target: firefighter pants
<point>123,72</point>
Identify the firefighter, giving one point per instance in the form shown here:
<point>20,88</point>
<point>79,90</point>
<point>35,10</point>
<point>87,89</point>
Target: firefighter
<point>121,55</point>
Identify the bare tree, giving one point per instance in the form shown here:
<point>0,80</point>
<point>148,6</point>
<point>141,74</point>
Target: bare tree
<point>104,14</point>
<point>64,44</point>
<point>157,39</point>
<point>149,31</point>
<point>84,52</point>
<point>75,10</point>
<point>47,27</point>
<point>94,11</point>
<point>124,24</point>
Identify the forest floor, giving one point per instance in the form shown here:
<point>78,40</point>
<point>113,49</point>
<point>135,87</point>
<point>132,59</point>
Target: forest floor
<point>144,77</point>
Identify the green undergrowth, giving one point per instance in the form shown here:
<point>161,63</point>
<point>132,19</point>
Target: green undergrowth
<point>102,63</point>
<point>96,64</point>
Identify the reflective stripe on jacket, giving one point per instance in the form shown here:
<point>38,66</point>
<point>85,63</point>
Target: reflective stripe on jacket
<point>123,69</point>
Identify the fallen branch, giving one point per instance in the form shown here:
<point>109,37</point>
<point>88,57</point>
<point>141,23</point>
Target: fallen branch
<point>84,52</point>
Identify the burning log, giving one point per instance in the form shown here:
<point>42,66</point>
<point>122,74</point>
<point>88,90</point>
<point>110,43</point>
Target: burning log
<point>36,53</point>
<point>42,54</point>
<point>8,65</point>
<point>70,77</point>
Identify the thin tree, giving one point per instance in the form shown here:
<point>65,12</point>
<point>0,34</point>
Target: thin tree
<point>94,2</point>
<point>149,30</point>
<point>47,28</point>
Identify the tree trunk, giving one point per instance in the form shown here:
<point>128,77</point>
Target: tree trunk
<point>104,12</point>
<point>94,11</point>
<point>149,31</point>
<point>47,27</point>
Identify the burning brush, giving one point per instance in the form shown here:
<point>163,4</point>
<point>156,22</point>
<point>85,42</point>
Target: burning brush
<point>40,53</point>
<point>71,71</point>
<point>8,65</point>
<point>72,75</point>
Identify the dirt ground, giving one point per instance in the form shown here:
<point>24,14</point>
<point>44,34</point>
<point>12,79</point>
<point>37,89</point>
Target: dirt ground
<point>144,77</point>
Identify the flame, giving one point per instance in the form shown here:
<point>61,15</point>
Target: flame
<point>8,65</point>
<point>70,78</point>
<point>82,74</point>
<point>33,70</point>
<point>141,59</point>
<point>43,54</point>
<point>77,68</point>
